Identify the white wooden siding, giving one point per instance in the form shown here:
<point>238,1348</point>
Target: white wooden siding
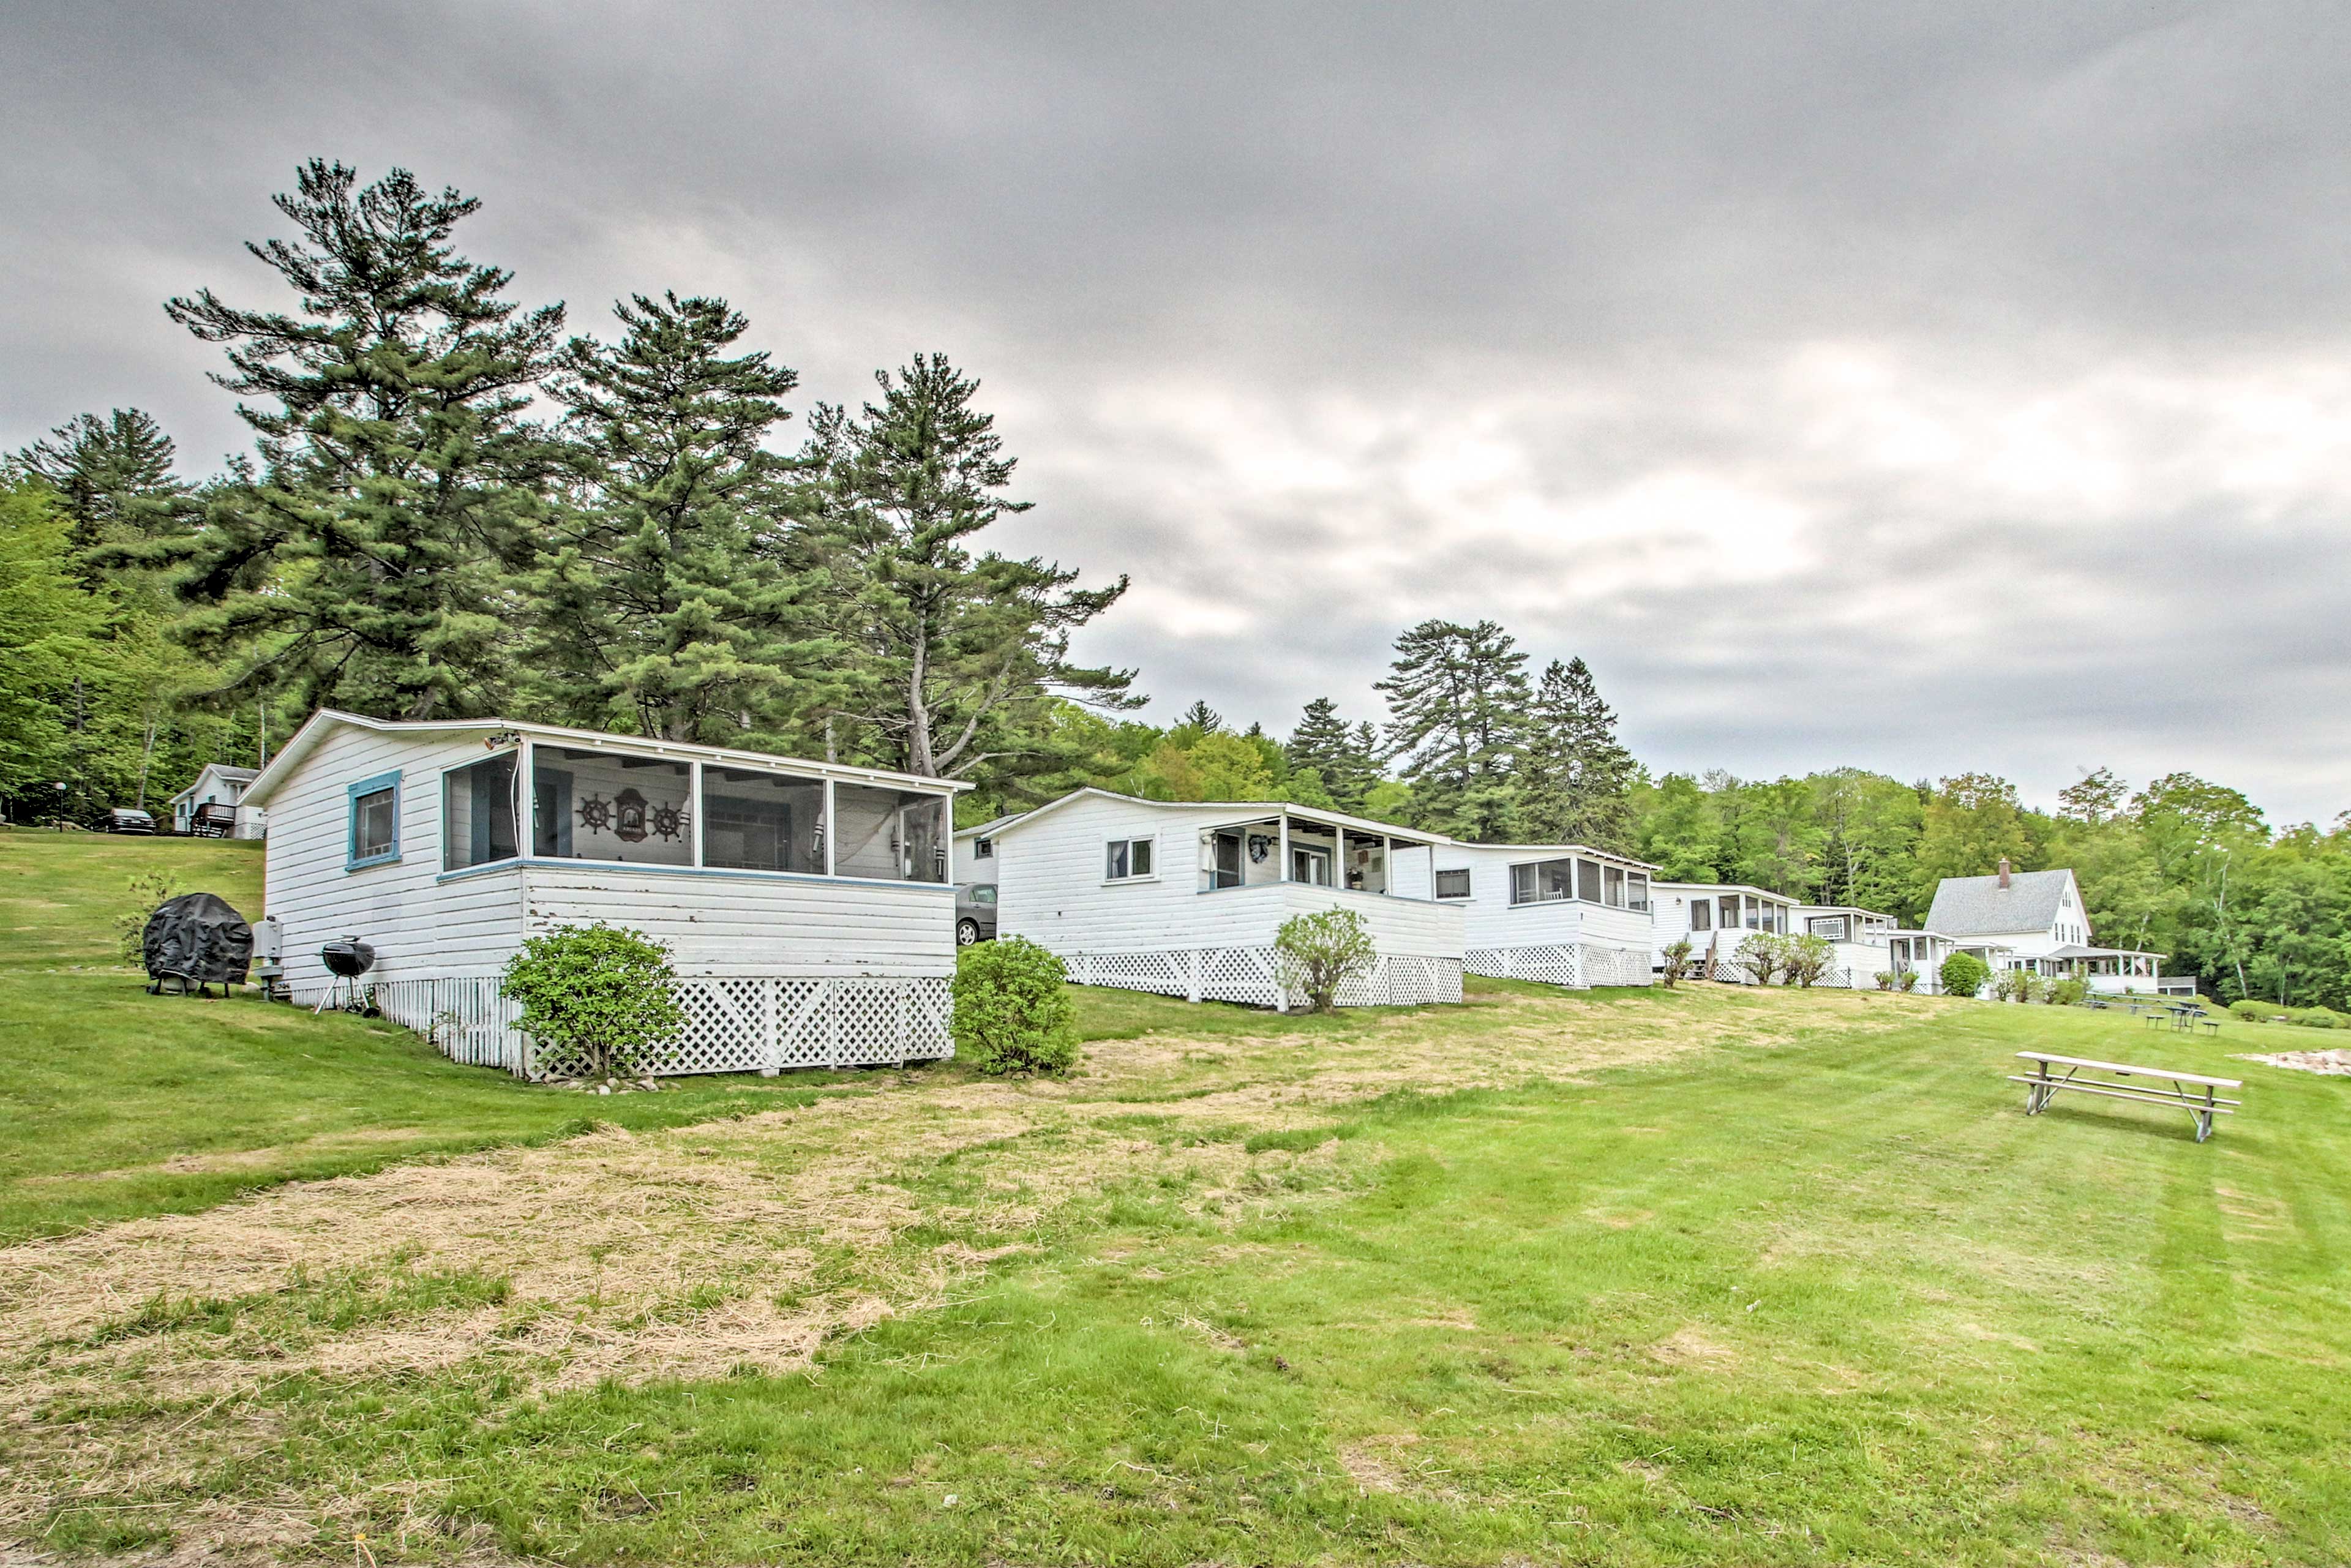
<point>420,927</point>
<point>716,923</point>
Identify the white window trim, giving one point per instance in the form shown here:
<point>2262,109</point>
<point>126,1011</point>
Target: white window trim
<point>1131,840</point>
<point>1445,870</point>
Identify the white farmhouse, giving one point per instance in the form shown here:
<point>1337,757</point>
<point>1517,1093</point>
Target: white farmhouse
<point>1184,898</point>
<point>1715,917</point>
<point>2036,920</point>
<point>1561,913</point>
<point>806,905</point>
<point>215,806</point>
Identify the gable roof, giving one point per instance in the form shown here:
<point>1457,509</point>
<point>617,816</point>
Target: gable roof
<point>992,826</point>
<point>1980,907</point>
<point>227,773</point>
<point>320,724</point>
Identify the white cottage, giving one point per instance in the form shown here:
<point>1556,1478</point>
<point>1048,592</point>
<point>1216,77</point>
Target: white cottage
<point>1561,913</point>
<point>2037,921</point>
<point>1185,898</point>
<point>1715,917</point>
<point>974,851</point>
<point>806,905</point>
<point>1868,943</point>
<point>215,806</point>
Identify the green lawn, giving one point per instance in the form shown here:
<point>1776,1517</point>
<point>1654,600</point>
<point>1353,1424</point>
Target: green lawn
<point>115,1103</point>
<point>1643,1278</point>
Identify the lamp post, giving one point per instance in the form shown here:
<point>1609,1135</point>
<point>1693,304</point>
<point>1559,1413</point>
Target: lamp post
<point>61,805</point>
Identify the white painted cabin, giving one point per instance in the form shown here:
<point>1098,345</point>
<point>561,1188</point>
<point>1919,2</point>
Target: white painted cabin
<point>1185,898</point>
<point>2037,921</point>
<point>1562,913</point>
<point>974,851</point>
<point>215,804</point>
<point>1716,917</point>
<point>806,905</point>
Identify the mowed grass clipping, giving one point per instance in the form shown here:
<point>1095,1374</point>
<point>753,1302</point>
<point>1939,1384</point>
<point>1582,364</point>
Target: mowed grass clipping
<point>114,1104</point>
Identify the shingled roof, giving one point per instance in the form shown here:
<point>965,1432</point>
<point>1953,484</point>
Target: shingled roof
<point>1980,907</point>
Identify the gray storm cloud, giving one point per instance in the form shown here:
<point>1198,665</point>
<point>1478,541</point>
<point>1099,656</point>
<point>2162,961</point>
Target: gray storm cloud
<point>1925,388</point>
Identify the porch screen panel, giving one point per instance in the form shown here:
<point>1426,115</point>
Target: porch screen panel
<point>892,835</point>
<point>1587,881</point>
<point>1637,892</point>
<point>753,821</point>
<point>477,813</point>
<point>611,806</point>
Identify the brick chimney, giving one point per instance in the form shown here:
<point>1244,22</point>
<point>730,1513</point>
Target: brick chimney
<point>2003,871</point>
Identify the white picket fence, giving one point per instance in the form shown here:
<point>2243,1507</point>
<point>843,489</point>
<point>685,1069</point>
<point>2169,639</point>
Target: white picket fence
<point>1255,976</point>
<point>734,1023</point>
<point>1573,964</point>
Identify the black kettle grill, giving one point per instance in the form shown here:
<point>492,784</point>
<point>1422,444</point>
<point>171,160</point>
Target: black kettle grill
<point>347,958</point>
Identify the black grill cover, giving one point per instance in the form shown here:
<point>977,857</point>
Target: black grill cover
<point>199,938</point>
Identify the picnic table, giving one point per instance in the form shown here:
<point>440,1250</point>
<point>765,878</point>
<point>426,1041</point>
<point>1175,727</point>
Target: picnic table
<point>2057,1075</point>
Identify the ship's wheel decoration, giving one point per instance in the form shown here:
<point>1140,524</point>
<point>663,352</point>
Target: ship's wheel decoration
<point>629,816</point>
<point>596,814</point>
<point>668,820</point>
<point>1260,846</point>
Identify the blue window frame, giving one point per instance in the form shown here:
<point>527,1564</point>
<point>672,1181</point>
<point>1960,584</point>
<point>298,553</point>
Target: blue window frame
<point>374,838</point>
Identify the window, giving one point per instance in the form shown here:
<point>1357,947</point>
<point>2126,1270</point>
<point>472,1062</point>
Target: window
<point>754,820</point>
<point>1616,884</point>
<point>1701,914</point>
<point>375,822</point>
<point>477,813</point>
<point>1587,881</point>
<point>1637,892</point>
<point>595,805</point>
<point>1454,883</point>
<point>1542,882</point>
<point>890,835</point>
<point>983,849</point>
<point>1126,860</point>
<point>983,893</point>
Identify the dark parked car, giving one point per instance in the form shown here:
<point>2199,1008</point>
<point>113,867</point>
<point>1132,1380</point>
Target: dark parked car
<point>129,819</point>
<point>974,912</point>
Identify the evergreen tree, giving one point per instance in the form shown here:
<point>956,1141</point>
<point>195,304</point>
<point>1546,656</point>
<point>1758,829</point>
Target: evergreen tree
<point>1345,761</point>
<point>112,477</point>
<point>1200,718</point>
<point>363,565</point>
<point>1574,780</point>
<point>1458,697</point>
<point>674,600</point>
<point>962,658</point>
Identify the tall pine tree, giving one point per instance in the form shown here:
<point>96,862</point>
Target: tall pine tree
<point>364,566</point>
<point>961,658</point>
<point>1458,697</point>
<point>112,477</point>
<point>1346,760</point>
<point>675,599</point>
<point>1574,780</point>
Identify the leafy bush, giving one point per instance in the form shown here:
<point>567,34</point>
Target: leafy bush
<point>1012,1009</point>
<point>1321,952</point>
<point>2317,1017</point>
<point>1680,960</point>
<point>1884,978</point>
<point>1909,980</point>
<point>150,891</point>
<point>2069,993</point>
<point>2253,1011</point>
<point>1760,955</point>
<point>2032,988</point>
<point>1805,958</point>
<point>1964,975</point>
<point>597,1000</point>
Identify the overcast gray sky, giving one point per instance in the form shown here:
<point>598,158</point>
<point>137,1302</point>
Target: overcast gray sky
<point>1924,387</point>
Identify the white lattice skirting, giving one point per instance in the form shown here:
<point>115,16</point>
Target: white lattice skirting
<point>734,1023</point>
<point>1730,974</point>
<point>1575,964</point>
<point>1253,976</point>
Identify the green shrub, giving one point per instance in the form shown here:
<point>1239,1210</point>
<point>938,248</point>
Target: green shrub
<point>2069,993</point>
<point>2317,1017</point>
<point>1762,956</point>
<point>1963,975</point>
<point>2253,1011</point>
<point>1013,1012</point>
<point>150,891</point>
<point>1321,952</point>
<point>597,1000</point>
<point>1680,960</point>
<point>1805,958</point>
<point>1886,979</point>
<point>1909,980</point>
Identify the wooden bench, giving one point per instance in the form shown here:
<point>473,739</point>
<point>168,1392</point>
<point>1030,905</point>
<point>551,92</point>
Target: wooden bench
<point>2057,1073</point>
